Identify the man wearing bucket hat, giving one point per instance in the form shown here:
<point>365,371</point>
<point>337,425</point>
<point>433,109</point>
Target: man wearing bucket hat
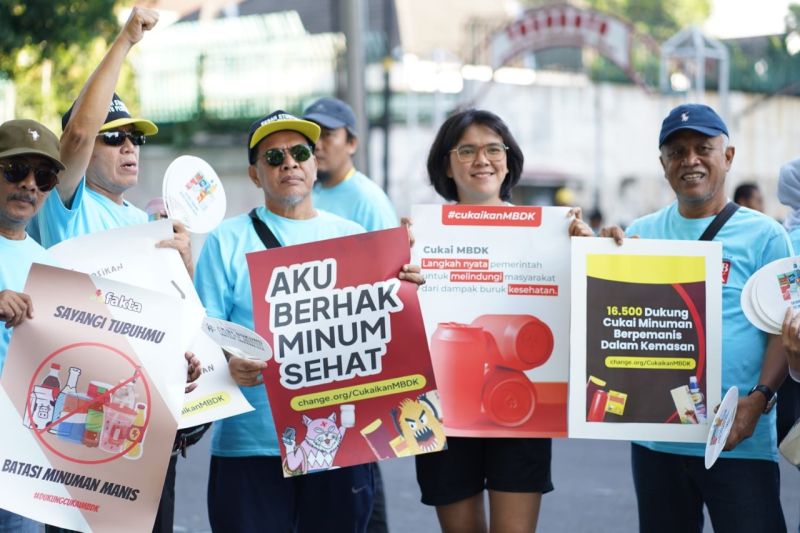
<point>741,490</point>
<point>29,161</point>
<point>340,188</point>
<point>100,149</point>
<point>246,481</point>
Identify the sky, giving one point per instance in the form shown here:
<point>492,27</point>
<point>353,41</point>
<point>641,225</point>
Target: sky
<point>744,18</point>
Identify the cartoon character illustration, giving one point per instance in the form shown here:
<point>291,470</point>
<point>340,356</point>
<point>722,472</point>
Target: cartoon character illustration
<point>318,449</point>
<point>418,422</point>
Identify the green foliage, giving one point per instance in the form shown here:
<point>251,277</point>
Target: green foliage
<point>49,48</point>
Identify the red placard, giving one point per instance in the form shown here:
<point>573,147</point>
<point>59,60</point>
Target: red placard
<point>351,380</point>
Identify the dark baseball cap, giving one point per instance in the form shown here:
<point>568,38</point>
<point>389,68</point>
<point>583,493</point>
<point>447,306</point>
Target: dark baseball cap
<point>696,117</point>
<point>118,116</point>
<point>28,137</point>
<point>331,113</point>
<point>278,120</point>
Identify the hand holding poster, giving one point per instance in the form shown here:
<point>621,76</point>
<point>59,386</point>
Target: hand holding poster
<point>350,381</point>
<point>646,338</point>
<point>89,400</point>
<point>496,310</point>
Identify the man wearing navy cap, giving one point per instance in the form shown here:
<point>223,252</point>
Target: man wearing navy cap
<point>741,490</point>
<point>100,149</point>
<point>340,188</point>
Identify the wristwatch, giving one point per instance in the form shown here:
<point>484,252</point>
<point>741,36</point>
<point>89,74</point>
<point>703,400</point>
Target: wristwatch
<point>768,393</point>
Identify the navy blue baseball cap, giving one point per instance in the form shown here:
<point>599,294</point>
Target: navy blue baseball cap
<point>331,113</point>
<point>118,116</point>
<point>696,117</point>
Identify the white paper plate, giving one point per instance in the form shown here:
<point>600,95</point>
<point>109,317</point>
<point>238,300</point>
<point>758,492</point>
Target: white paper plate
<point>193,194</point>
<point>767,291</point>
<point>236,339</point>
<point>721,426</point>
<point>750,310</point>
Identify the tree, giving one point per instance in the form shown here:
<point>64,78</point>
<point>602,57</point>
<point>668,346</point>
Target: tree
<point>46,47</point>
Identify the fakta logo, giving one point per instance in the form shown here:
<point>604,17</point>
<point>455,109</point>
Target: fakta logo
<point>116,300</point>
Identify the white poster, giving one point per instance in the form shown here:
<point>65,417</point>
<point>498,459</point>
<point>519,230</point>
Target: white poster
<point>130,255</point>
<point>90,398</point>
<point>646,339</point>
<point>496,311</point>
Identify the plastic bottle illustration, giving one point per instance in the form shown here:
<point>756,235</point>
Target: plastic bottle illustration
<point>70,388</point>
<point>94,416</point>
<point>118,418</point>
<point>698,399</point>
<point>136,433</point>
<point>39,411</point>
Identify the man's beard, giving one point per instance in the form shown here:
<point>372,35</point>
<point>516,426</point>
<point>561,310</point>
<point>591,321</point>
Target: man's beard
<point>323,176</point>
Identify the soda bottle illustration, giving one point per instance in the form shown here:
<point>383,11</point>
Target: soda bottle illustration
<point>70,387</point>
<point>698,399</point>
<point>136,434</point>
<point>51,381</point>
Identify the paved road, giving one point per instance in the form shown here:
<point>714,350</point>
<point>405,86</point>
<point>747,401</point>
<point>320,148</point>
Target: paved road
<point>594,491</point>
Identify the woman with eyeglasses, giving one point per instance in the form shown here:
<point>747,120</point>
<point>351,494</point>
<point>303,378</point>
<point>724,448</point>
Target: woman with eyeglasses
<point>474,160</point>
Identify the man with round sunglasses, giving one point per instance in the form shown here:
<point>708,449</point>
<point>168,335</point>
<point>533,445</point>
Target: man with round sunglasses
<point>29,163</point>
<point>100,149</point>
<point>340,188</point>
<point>246,482</point>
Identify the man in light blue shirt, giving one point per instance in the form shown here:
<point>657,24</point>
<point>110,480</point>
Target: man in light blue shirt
<point>100,148</point>
<point>246,483</point>
<point>29,161</point>
<point>340,188</point>
<point>741,490</point>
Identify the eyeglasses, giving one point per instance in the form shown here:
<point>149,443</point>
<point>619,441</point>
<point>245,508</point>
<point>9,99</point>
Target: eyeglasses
<point>16,171</point>
<point>299,152</point>
<point>467,153</point>
<point>117,138</point>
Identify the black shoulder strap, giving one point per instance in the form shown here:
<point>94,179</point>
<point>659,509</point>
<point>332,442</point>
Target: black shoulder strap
<point>719,221</point>
<point>263,231</point>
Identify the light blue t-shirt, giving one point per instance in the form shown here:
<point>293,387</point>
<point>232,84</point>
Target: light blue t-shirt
<point>359,199</point>
<point>90,212</point>
<point>223,283</point>
<point>17,257</point>
<point>750,240</point>
<point>794,236</point>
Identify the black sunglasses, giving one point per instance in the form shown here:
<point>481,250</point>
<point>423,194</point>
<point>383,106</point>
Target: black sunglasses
<point>16,171</point>
<point>299,152</point>
<point>117,138</point>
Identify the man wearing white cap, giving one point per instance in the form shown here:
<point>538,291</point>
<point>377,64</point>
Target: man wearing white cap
<point>247,488</point>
